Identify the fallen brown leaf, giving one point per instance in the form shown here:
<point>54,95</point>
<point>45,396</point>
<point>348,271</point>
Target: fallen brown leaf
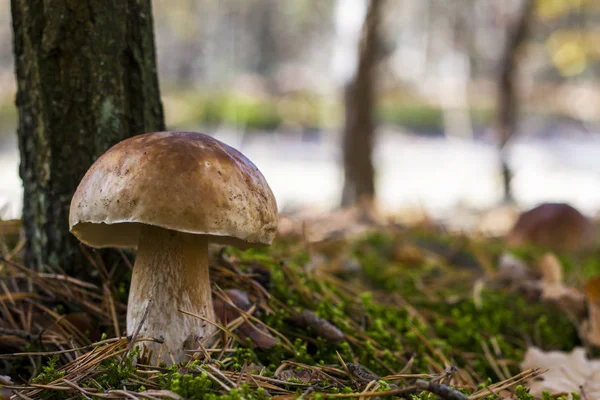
<point>591,327</point>
<point>566,373</point>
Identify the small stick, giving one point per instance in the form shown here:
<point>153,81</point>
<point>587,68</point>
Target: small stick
<point>444,391</point>
<point>21,395</point>
<point>50,353</point>
<point>343,364</point>
<point>79,389</point>
<point>66,278</point>
<point>216,371</point>
<point>16,332</point>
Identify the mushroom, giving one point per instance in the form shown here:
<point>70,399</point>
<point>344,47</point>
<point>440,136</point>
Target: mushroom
<point>169,194</point>
<point>554,226</point>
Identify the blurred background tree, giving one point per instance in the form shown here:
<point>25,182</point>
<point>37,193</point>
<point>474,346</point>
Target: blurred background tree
<point>86,78</point>
<point>508,101</point>
<point>359,124</point>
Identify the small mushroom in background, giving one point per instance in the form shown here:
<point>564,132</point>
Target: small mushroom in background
<point>554,226</point>
<point>169,194</point>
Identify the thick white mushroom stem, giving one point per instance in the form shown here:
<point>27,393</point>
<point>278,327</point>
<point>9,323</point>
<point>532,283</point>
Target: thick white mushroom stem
<point>170,274</point>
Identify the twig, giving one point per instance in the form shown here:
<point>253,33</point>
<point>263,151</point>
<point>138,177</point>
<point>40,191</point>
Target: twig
<point>404,390</point>
<point>21,395</point>
<point>444,391</point>
<point>78,388</point>
<point>217,325</point>
<point>216,371</point>
<point>16,332</point>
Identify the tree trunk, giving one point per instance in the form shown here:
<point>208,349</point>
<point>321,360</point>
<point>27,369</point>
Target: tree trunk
<point>86,77</point>
<point>359,181</point>
<point>508,106</point>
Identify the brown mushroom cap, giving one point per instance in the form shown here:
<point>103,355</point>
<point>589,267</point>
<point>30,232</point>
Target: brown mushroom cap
<point>183,181</point>
<point>555,226</point>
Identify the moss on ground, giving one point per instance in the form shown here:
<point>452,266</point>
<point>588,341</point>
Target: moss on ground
<point>416,314</point>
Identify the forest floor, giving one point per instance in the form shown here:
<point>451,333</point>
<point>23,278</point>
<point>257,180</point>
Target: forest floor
<point>335,308</point>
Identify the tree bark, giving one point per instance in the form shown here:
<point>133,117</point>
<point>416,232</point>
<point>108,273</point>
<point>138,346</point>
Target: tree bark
<point>359,180</point>
<point>86,78</point>
<point>508,105</point>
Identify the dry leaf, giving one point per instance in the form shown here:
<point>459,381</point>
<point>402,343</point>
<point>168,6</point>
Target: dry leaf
<point>590,329</point>
<point>566,372</point>
<point>592,289</point>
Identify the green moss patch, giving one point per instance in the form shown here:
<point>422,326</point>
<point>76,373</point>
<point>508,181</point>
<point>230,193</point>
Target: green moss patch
<point>407,312</point>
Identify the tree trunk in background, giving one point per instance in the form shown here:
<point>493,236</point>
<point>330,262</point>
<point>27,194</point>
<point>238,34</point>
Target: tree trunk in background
<point>507,109</point>
<point>86,77</point>
<point>359,180</point>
